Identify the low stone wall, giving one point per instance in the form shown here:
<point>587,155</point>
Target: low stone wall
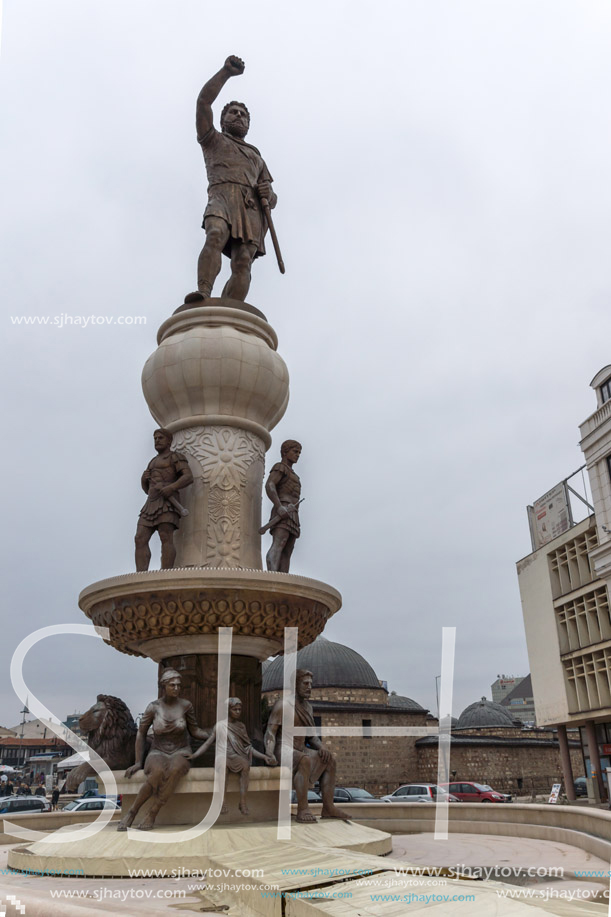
<point>580,826</point>
<point>46,821</point>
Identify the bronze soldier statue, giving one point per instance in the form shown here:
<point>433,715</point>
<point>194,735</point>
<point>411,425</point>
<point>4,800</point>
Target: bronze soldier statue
<point>239,751</point>
<point>167,473</point>
<point>239,188</point>
<point>311,760</point>
<point>283,487</point>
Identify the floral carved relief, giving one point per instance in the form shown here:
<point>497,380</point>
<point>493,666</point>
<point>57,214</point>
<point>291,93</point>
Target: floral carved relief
<point>224,456</point>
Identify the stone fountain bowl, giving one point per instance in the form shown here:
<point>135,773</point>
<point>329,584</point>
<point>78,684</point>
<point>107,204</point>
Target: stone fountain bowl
<point>163,613</point>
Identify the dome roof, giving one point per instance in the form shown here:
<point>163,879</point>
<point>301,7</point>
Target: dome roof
<point>484,713</point>
<point>404,703</point>
<point>333,665</point>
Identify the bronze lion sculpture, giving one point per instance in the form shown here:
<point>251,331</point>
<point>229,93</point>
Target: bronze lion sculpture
<point>111,732</point>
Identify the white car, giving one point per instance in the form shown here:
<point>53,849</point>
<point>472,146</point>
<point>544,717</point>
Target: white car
<point>419,792</point>
<point>90,805</point>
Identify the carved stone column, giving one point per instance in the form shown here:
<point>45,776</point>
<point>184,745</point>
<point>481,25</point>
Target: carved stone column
<point>228,466</point>
<point>567,767</point>
<point>218,384</point>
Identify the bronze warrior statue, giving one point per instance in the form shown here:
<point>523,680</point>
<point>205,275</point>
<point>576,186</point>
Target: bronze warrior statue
<point>283,487</point>
<point>311,760</point>
<point>173,720</point>
<point>239,751</point>
<point>239,191</point>
<point>167,473</point>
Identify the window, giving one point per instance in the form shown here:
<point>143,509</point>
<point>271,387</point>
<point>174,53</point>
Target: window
<point>366,729</point>
<point>605,390</point>
<point>318,724</point>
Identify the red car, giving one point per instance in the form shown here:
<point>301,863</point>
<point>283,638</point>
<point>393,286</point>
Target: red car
<point>475,792</point>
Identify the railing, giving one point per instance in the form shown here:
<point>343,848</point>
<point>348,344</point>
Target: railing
<point>595,419</point>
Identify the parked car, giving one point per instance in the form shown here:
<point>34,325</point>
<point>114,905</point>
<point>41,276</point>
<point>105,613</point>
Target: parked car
<point>419,792</point>
<point>11,804</point>
<point>475,792</point>
<point>95,794</point>
<point>312,797</point>
<point>581,787</point>
<point>90,805</point>
<point>345,794</point>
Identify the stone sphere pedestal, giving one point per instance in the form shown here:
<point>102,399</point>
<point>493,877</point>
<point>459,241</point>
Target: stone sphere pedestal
<point>218,384</point>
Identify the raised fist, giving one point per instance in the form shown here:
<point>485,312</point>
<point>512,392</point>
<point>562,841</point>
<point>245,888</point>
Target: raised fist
<point>235,65</point>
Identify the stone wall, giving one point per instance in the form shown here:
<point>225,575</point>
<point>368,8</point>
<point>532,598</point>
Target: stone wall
<point>516,769</point>
<point>501,732</point>
<point>341,695</point>
<point>379,764</point>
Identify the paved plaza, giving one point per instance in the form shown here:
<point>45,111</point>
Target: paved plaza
<point>563,893</point>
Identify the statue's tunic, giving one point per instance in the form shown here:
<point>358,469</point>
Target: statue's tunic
<point>304,716</point>
<point>158,509</point>
<point>288,489</point>
<point>234,169</point>
<point>239,747</point>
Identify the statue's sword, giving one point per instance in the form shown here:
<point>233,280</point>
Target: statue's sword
<point>272,232</point>
<point>178,506</point>
<point>276,519</point>
<point>175,503</point>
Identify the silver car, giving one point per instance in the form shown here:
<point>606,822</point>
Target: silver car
<point>90,805</point>
<point>23,804</point>
<point>419,792</point>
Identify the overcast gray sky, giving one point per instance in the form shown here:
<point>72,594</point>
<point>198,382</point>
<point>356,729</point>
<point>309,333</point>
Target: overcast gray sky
<point>444,211</point>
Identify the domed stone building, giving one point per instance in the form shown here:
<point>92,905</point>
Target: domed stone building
<point>347,692</point>
<point>490,746</point>
<point>485,714</point>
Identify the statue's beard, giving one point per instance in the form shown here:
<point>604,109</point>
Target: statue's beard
<point>235,129</point>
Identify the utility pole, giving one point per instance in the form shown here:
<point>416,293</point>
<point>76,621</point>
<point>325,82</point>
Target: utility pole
<point>23,716</point>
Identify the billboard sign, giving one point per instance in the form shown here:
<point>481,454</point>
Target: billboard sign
<point>550,516</point>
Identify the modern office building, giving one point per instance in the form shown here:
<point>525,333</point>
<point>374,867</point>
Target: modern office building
<point>503,686</point>
<point>564,587</point>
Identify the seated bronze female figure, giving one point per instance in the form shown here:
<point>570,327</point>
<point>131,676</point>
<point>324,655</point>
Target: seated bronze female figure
<point>173,720</point>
